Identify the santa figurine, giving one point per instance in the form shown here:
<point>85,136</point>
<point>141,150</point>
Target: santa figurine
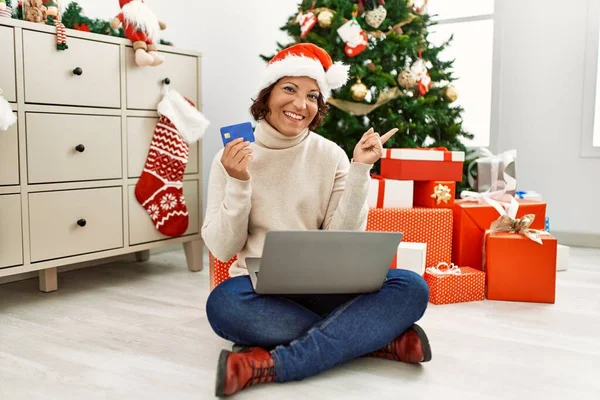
<point>141,27</point>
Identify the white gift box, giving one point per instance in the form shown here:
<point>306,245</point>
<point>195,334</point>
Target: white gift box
<point>411,256</point>
<point>562,258</point>
<point>390,193</point>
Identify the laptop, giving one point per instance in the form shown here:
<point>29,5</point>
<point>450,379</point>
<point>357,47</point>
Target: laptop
<point>323,262</point>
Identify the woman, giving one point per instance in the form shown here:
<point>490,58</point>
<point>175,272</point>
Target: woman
<point>291,179</point>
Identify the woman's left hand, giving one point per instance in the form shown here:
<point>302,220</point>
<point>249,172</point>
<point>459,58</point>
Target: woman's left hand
<point>370,147</point>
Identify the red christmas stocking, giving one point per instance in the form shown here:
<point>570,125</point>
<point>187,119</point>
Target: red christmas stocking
<point>160,188</point>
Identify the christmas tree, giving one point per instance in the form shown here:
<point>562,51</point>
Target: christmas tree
<point>396,77</point>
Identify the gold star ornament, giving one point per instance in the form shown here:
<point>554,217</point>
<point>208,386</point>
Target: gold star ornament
<point>441,193</point>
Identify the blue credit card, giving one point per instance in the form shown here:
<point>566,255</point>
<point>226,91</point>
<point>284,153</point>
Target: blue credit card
<point>232,132</point>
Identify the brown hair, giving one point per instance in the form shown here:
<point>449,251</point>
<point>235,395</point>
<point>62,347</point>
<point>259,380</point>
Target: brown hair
<point>260,110</point>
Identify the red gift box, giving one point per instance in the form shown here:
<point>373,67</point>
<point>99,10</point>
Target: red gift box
<point>218,270</point>
<point>520,269</point>
<point>455,285</point>
<point>471,220</point>
<point>422,164</point>
<point>419,225</point>
<point>435,194</point>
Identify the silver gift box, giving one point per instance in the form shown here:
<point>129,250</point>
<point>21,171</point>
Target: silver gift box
<point>496,172</point>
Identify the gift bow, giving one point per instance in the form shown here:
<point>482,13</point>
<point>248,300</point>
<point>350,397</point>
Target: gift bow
<point>452,269</point>
<point>517,225</point>
<point>506,158</point>
<point>441,193</point>
<point>502,202</point>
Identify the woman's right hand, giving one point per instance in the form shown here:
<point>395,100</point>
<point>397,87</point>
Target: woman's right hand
<point>236,158</point>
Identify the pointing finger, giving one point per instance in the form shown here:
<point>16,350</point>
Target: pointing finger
<point>388,135</point>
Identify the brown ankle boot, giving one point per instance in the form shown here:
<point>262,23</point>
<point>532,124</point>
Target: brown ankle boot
<point>410,347</point>
<point>237,371</point>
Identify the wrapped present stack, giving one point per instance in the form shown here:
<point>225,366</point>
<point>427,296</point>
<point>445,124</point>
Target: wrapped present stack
<point>503,233</point>
<point>414,194</point>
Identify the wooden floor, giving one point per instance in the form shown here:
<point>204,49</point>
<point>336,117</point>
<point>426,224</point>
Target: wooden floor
<point>139,331</point>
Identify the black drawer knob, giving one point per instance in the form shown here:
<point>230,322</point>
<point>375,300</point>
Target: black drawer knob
<point>80,148</point>
<point>167,81</point>
<point>82,222</point>
<point>78,71</point>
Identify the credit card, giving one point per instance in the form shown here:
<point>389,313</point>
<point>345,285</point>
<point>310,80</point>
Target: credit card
<point>232,132</point>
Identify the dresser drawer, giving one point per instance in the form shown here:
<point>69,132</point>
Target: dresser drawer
<point>7,65</point>
<point>139,135</point>
<point>144,85</point>
<point>55,219</point>
<point>51,76</point>
<point>141,228</point>
<point>9,157</point>
<point>62,147</point>
<point>11,243</point>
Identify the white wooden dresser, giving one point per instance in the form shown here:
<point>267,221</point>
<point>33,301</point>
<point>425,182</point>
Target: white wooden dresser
<point>68,168</point>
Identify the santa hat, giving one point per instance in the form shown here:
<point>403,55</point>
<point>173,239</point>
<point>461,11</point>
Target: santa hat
<point>306,59</point>
<point>125,2</point>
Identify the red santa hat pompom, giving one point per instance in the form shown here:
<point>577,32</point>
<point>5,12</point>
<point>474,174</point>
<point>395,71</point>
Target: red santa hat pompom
<point>306,59</point>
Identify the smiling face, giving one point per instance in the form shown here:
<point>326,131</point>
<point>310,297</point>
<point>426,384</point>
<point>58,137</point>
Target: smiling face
<point>293,104</point>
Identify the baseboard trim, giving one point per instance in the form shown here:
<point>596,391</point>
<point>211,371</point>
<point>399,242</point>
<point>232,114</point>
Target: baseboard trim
<point>66,268</point>
<point>576,239</point>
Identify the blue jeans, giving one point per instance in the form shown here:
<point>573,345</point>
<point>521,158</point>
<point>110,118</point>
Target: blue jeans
<point>313,333</point>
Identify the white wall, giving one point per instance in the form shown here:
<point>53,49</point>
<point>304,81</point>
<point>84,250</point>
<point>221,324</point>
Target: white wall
<point>230,37</point>
<point>541,81</point>
<point>540,112</point>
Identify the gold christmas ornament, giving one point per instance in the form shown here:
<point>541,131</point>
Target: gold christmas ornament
<point>406,79</point>
<point>359,91</point>
<point>441,193</point>
<point>325,18</point>
<point>451,94</point>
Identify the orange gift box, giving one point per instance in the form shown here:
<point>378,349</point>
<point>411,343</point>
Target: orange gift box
<point>519,269</point>
<point>419,225</point>
<point>434,194</point>
<point>218,270</point>
<point>471,220</point>
<point>450,288</point>
<point>422,164</point>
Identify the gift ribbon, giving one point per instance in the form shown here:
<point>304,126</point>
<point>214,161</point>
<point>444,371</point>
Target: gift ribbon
<point>508,157</point>
<point>452,269</point>
<point>502,202</point>
<point>447,154</point>
<point>380,190</point>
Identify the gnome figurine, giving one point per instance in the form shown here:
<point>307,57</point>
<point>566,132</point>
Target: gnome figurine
<point>141,27</point>
<point>52,13</point>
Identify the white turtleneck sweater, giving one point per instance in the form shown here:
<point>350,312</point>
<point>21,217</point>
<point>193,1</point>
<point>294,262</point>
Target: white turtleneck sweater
<point>304,182</point>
